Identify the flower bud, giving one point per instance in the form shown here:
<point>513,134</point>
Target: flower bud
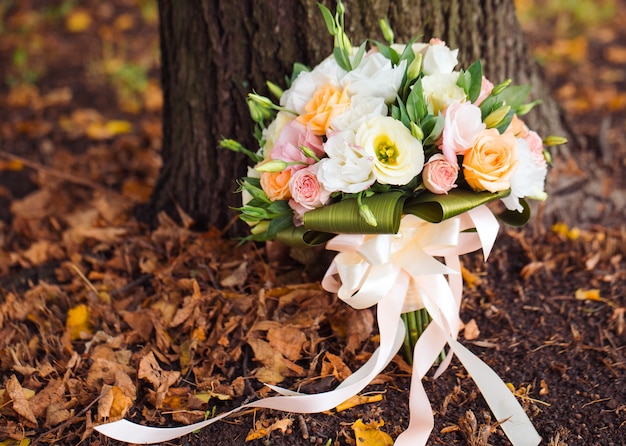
<point>368,215</point>
<point>260,227</point>
<point>496,116</point>
<point>274,89</point>
<point>415,67</point>
<point>500,87</point>
<point>417,131</point>
<point>258,113</point>
<point>554,140</point>
<point>271,166</point>
<point>309,153</point>
<point>386,29</point>
<point>525,108</point>
<point>231,144</point>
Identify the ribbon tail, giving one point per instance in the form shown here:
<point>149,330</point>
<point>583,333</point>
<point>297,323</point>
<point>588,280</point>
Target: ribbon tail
<point>515,423</point>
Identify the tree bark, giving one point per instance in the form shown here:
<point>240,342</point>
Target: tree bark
<point>214,52</point>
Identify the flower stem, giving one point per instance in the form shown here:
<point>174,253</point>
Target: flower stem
<point>415,323</point>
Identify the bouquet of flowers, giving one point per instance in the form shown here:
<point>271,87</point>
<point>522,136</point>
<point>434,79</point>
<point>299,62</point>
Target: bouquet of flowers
<point>370,135</point>
<point>389,154</point>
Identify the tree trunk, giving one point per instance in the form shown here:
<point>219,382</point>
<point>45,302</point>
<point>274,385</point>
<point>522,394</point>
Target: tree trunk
<point>216,51</point>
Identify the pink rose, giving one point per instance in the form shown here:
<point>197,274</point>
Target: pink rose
<point>486,87</point>
<point>306,191</point>
<point>462,122</point>
<point>535,144</point>
<point>439,176</point>
<point>287,146</point>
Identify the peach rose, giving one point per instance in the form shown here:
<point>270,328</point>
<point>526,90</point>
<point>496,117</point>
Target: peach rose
<point>327,103</point>
<point>439,176</point>
<point>489,164</point>
<point>276,184</point>
<point>517,127</point>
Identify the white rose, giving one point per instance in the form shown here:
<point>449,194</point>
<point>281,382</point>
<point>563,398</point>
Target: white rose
<point>306,84</point>
<point>362,108</point>
<point>441,90</point>
<point>375,76</point>
<point>270,134</point>
<point>527,180</point>
<point>398,156</point>
<point>439,59</point>
<point>347,168</point>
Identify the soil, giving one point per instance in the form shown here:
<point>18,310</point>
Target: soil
<point>87,292</point>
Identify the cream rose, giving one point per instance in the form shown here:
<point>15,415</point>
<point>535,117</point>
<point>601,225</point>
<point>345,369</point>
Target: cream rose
<point>439,58</point>
<point>398,156</point>
<point>489,164</point>
<point>441,90</point>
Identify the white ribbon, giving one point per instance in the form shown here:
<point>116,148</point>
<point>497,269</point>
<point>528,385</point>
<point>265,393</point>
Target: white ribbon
<point>398,273</point>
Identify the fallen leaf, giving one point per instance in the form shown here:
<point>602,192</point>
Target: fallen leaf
<point>332,365</point>
<point>471,331</point>
<point>359,400</point>
<point>281,425</point>
<point>77,322</point>
<point>370,434</point>
<point>78,21</point>
<point>18,399</point>
<point>161,380</point>
<point>288,341</point>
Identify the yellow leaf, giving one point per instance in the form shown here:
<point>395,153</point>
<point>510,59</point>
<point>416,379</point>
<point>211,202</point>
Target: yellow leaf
<point>118,127</point>
<point>593,294</point>
<point>9,442</point>
<point>358,400</point>
<point>281,425</point>
<point>11,165</point>
<point>561,228</point>
<point>78,21</point>
<point>78,322</point>
<point>370,434</point>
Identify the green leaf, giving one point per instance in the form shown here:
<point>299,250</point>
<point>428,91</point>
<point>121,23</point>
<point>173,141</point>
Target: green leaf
<point>415,104</point>
<point>359,55</point>
<point>464,81</point>
<point>515,96</point>
<point>343,217</point>
<point>515,218</point>
<point>342,60</point>
<point>437,208</point>
<point>329,19</point>
<point>432,126</point>
<point>476,73</point>
<point>506,121</point>
<point>387,51</point>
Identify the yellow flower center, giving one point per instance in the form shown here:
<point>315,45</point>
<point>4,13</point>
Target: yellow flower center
<point>386,152</point>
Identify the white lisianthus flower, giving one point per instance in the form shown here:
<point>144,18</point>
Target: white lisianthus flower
<point>362,108</point>
<point>347,168</point>
<point>441,90</point>
<point>439,59</point>
<point>375,76</point>
<point>398,156</point>
<point>528,178</point>
<point>307,83</point>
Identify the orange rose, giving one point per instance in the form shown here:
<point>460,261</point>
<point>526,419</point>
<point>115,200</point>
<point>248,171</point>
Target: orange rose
<point>327,103</point>
<point>491,162</point>
<point>276,184</point>
<point>517,127</point>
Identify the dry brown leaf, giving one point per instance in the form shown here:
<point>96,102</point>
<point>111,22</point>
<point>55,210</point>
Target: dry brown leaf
<point>332,365</point>
<point>237,277</point>
<point>260,431</point>
<point>57,413</point>
<point>161,380</point>
<point>288,341</point>
<point>19,402</point>
<point>140,323</point>
<point>51,394</point>
<point>470,330</point>
<point>276,366</point>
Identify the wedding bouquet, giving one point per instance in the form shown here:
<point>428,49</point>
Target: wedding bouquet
<point>389,154</point>
<point>370,135</point>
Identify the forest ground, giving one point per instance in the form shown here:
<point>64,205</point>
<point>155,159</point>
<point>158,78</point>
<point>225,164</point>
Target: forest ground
<point>87,292</point>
